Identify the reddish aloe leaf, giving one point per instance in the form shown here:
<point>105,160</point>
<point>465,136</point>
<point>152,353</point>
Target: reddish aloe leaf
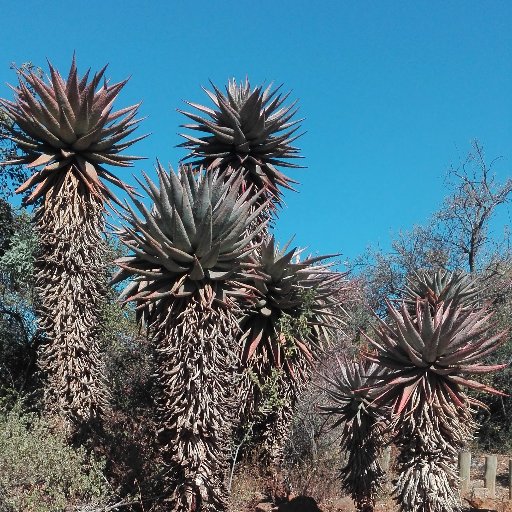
<point>406,394</point>
<point>251,347</point>
<point>473,384</point>
<point>454,395</point>
<point>477,368</point>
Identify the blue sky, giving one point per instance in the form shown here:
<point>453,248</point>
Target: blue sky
<point>392,91</point>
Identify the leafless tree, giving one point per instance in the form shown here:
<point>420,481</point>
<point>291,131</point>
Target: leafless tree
<point>468,210</point>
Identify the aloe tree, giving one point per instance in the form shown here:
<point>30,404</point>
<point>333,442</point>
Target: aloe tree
<point>66,132</point>
<point>285,329</point>
<point>430,355</point>
<point>252,130</point>
<point>364,435</point>
<point>188,255</point>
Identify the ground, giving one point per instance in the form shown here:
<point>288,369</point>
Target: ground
<point>317,491</point>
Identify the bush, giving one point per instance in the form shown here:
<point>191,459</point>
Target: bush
<point>39,472</point>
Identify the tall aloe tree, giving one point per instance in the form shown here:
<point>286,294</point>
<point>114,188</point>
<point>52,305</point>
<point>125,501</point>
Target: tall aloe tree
<point>252,130</point>
<point>430,355</point>
<point>286,330</point>
<point>363,436</point>
<point>189,252</point>
<point>67,131</point>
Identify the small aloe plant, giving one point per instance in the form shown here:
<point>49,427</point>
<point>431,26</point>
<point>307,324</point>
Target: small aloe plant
<point>430,354</point>
<point>363,435</point>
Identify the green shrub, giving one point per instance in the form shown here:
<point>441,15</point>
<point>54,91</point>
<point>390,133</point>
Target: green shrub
<point>39,472</point>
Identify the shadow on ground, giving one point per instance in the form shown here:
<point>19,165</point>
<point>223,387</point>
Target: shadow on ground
<point>300,504</point>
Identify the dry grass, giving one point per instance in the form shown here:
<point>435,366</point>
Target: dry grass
<point>249,488</point>
<point>319,480</point>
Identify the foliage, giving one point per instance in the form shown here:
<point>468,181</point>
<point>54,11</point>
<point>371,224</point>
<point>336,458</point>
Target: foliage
<point>269,390</point>
<point>39,472</point>
<point>467,212</point>
<point>134,466</point>
<point>495,431</point>
<point>457,237</point>
<point>18,259</point>
<point>266,403</point>
<point>17,330</point>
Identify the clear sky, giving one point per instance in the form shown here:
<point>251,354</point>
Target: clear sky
<point>392,91</point>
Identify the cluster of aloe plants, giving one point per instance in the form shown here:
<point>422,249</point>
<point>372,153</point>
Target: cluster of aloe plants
<point>421,358</point>
<point>222,302</point>
<point>209,283</point>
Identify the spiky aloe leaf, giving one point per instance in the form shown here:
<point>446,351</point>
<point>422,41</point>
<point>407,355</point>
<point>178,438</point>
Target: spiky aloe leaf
<point>430,356</point>
<point>69,126</point>
<point>248,129</point>
<point>189,250</point>
<point>351,393</point>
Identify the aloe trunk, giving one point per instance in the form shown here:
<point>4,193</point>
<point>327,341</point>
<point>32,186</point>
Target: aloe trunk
<point>362,474</point>
<point>427,461</point>
<point>194,403</point>
<point>276,429</point>
<point>268,401</point>
<point>70,287</point>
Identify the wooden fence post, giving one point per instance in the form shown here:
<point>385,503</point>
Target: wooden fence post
<point>510,479</point>
<point>491,465</point>
<point>465,471</point>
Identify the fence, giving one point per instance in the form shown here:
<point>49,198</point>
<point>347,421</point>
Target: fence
<point>491,467</point>
<point>490,471</point>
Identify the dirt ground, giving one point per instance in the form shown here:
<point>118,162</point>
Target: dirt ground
<point>320,492</point>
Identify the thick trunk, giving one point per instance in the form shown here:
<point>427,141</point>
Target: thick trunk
<point>196,377</point>
<point>427,465</point>
<point>276,428</point>
<point>362,475</point>
<point>266,404</point>
<point>70,287</point>
<point>268,398</point>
